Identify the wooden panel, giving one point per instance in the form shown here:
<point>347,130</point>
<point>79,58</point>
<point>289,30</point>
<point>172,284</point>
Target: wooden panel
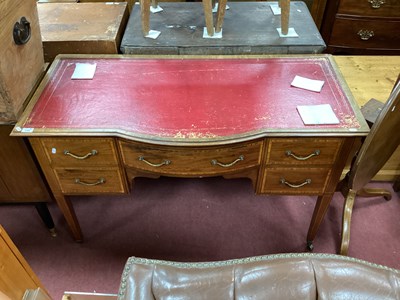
<point>327,150</point>
<point>272,180</point>
<point>18,172</point>
<point>5,194</point>
<point>88,181</point>
<point>317,11</point>
<point>87,151</point>
<point>20,65</point>
<point>16,275</point>
<point>63,30</point>
<point>191,161</point>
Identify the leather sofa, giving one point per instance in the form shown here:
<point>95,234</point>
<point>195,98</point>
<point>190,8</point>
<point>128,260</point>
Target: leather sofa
<point>282,276</point>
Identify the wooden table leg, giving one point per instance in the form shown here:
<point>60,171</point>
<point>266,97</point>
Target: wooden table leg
<point>220,15</point>
<point>44,213</point>
<point>320,210</point>
<point>145,16</point>
<point>207,7</point>
<point>68,211</point>
<point>63,203</point>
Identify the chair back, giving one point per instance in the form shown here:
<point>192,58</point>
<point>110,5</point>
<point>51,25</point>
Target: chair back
<point>379,145</point>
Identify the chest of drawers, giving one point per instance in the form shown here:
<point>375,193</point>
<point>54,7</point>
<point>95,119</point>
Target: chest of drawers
<point>362,27</point>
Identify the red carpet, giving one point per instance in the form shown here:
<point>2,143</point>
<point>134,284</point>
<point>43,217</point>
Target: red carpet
<point>191,220</point>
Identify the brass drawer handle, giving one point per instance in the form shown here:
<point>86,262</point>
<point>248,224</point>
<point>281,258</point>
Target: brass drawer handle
<point>365,34</point>
<point>376,3</point>
<point>295,186</point>
<point>215,162</point>
<point>91,153</point>
<point>290,153</point>
<point>164,162</point>
<point>100,181</point>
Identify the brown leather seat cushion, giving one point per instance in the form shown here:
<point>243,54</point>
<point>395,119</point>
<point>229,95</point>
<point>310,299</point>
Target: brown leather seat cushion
<point>283,276</point>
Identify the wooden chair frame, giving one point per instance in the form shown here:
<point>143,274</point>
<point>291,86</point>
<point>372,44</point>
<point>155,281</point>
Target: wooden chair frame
<point>377,148</point>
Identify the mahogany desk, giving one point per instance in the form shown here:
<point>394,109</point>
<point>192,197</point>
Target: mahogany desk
<point>190,117</point>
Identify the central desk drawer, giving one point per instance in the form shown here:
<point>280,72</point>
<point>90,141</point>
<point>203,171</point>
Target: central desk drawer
<point>80,152</point>
<point>302,151</point>
<point>191,161</point>
<point>88,181</point>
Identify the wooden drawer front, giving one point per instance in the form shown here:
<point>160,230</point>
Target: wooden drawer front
<point>302,151</point>
<point>373,8</point>
<point>346,32</point>
<point>188,161</point>
<point>303,180</point>
<point>82,152</point>
<point>82,181</point>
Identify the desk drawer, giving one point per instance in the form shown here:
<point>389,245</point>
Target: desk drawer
<point>88,181</point>
<point>80,152</point>
<point>372,34</point>
<point>191,161</point>
<point>372,8</point>
<point>295,180</point>
<point>302,151</point>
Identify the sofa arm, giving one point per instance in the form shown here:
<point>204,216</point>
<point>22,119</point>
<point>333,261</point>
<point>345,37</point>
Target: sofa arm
<point>281,276</point>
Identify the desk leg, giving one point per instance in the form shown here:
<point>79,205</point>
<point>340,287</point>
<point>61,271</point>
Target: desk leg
<point>68,211</point>
<point>320,210</point>
<point>63,203</point>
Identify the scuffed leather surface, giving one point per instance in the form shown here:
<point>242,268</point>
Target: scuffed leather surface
<point>284,276</point>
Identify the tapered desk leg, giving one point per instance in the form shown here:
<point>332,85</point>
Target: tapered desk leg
<point>320,210</point>
<point>44,213</point>
<point>63,202</point>
<point>207,7</point>
<point>68,211</point>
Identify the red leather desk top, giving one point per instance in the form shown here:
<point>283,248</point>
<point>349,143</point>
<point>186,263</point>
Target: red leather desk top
<point>188,99</point>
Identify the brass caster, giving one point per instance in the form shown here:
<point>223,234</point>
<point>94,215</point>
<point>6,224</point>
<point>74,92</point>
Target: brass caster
<point>310,246</point>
